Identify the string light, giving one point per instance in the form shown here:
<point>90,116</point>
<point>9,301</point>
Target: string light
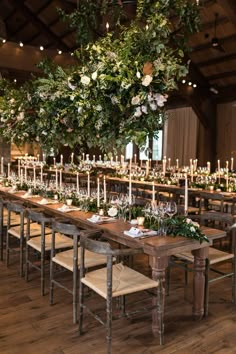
<point>194,85</point>
<point>59,51</point>
<point>197,2</point>
<point>41,48</point>
<point>15,80</point>
<point>189,83</point>
<point>183,81</point>
<point>147,27</point>
<point>21,44</point>
<point>72,54</point>
<point>4,40</point>
<point>107,26</point>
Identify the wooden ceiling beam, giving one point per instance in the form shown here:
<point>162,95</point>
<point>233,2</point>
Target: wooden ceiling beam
<point>226,94</point>
<point>225,40</point>
<point>229,7</point>
<point>221,60</point>
<point>19,4</point>
<point>222,75</point>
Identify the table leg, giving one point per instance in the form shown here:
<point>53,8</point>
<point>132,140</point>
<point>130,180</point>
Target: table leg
<point>159,265</point>
<point>200,256</point>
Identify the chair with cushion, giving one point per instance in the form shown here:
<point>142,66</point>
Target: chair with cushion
<point>216,256</point>
<point>69,259</point>
<point>15,220</point>
<point>18,231</point>
<point>113,281</point>
<point>41,244</point>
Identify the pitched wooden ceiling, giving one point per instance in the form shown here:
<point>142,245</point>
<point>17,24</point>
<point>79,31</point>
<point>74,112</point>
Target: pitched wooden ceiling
<point>35,23</point>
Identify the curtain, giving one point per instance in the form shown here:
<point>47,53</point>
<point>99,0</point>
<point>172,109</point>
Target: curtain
<point>180,135</point>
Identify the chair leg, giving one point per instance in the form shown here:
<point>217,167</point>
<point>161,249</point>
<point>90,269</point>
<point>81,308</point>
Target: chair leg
<point>7,248</point>
<point>51,282</point>
<point>234,282</point>
<point>21,256</point>
<point>206,295</point>
<point>81,307</point>
<point>75,296</point>
<point>1,244</point>
<point>42,270</point>
<point>26,262</point>
<point>168,280</point>
<point>109,324</point>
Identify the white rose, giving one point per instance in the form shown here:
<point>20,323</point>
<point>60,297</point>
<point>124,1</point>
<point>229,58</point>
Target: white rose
<point>85,80</point>
<point>160,99</point>
<point>153,106</point>
<point>147,80</point>
<point>80,109</point>
<point>192,229</point>
<point>114,100</point>
<point>135,100</point>
<point>138,112</point>
<point>112,211</point>
<point>21,116</point>
<point>99,108</point>
<point>144,109</point>
<point>94,75</point>
<point>138,74</point>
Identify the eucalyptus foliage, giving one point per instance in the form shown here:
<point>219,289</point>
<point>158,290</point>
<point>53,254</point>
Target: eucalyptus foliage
<point>118,90</point>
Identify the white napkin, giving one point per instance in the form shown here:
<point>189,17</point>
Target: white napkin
<point>43,201</point>
<point>135,232</point>
<point>66,209</point>
<point>97,219</point>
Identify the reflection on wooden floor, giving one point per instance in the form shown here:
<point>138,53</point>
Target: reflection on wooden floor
<point>29,325</point>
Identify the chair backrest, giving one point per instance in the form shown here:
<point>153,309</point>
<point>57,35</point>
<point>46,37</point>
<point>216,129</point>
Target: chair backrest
<point>65,227</point>
<point>224,222</point>
<point>208,196</point>
<point>37,215</point>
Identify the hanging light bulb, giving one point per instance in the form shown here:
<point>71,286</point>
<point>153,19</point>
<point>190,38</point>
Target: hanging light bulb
<point>21,44</point>
<point>41,48</point>
<point>59,51</point>
<point>107,26</point>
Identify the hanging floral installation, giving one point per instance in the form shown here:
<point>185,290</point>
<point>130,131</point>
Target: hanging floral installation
<point>118,90</point>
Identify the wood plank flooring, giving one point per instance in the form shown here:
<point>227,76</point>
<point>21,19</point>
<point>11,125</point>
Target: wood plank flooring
<point>29,325</point>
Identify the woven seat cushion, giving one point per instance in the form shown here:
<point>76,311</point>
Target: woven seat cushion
<point>65,259</point>
<point>124,281</point>
<point>15,219</point>
<point>35,230</point>
<point>61,241</point>
<point>215,256</point>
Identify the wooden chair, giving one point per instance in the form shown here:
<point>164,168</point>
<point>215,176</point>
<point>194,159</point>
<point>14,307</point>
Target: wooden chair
<point>70,260</point>
<point>115,280</point>
<point>41,244</point>
<point>15,220</point>
<point>216,256</point>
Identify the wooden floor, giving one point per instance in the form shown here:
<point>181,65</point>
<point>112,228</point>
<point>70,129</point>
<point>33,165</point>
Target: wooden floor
<point>29,325</point>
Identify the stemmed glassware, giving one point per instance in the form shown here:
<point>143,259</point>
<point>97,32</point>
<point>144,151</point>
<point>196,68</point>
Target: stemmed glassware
<point>171,208</point>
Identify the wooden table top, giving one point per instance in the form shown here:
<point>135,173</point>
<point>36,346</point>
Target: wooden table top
<point>154,246</point>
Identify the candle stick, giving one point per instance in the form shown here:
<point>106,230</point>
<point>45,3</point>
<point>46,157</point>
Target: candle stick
<point>208,166</point>
<point>147,168</point>
<point>38,157</point>
<point>227,179</point>
<point>169,160</point>
<point>186,196</point>
<point>72,157</point>
<point>43,157</point>
<point>60,181</point>
<point>83,156</point>
<point>21,176</point>
<point>218,164</point>
<point>61,160</point>
<point>77,182</point>
<point>227,164</point>
<point>54,162</point>
<point>56,178</point>
<point>98,192</point>
<point>164,166</point>
<point>130,188</point>
<point>2,166</point>
<point>153,191</point>
<point>104,189</point>
<point>177,164</point>
<point>100,158</point>
<point>8,170</point>
<point>94,158</point>
<point>34,176</point>
<point>87,157</point>
<point>88,185</point>
<point>41,174</point>
<point>25,172</point>
<point>232,164</point>
<point>135,158</point>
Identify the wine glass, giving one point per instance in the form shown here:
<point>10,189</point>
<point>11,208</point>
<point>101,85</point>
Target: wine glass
<point>171,208</point>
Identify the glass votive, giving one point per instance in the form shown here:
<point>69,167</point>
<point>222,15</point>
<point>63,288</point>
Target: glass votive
<point>69,202</point>
<point>211,188</point>
<point>55,197</point>
<point>140,220</point>
<point>101,212</point>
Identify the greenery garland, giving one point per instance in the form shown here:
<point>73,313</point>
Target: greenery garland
<point>118,90</point>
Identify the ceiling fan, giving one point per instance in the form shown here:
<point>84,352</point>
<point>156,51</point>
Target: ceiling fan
<point>215,42</point>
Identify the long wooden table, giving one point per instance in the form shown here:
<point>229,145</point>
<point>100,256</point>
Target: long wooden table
<point>158,248</point>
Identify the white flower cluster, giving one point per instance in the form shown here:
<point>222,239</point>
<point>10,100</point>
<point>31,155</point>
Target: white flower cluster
<point>192,225</point>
